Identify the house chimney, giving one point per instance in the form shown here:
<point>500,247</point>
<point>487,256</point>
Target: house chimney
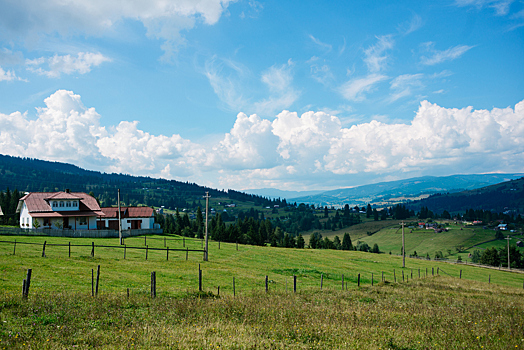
<point>67,190</point>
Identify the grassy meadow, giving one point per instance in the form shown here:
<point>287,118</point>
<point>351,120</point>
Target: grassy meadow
<point>434,312</point>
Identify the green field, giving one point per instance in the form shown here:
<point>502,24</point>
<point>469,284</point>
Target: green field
<point>437,311</point>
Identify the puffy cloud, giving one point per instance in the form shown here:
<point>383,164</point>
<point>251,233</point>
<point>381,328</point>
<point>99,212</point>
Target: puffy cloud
<point>250,144</point>
<point>163,20</point>
<point>312,150</point>
<point>65,130</point>
<point>66,64</point>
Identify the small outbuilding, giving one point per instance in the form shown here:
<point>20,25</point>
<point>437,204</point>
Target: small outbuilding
<point>132,218</point>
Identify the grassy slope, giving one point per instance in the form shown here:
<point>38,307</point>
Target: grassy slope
<point>249,265</point>
<point>435,312</point>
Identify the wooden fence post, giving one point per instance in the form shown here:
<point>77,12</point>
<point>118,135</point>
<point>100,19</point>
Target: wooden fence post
<point>489,280</point>
<point>438,270</point>
<point>184,242</point>
<point>432,271</point>
<point>69,249</point>
<point>218,244</point>
<point>460,277</point>
<point>411,273</point>
<point>199,278</point>
<point>187,253</point>
<point>382,276</point>
<point>321,280</point>
<point>153,284</point>
<point>267,286</point>
<point>125,248</point>
<point>402,275</point>
<point>358,280</point>
<point>342,281</point>
<point>26,284</point>
<point>128,293</point>
<point>419,273</point>
<point>372,279</point>
<point>14,248</point>
<point>218,291</point>
<point>145,240</point>
<point>164,242</point>
<point>167,253</point>
<point>92,249</point>
<point>394,276</point>
<point>234,292</point>
<point>237,245</point>
<point>147,250</point>
<point>92,282</point>
<point>43,249</point>
<point>294,284</point>
<point>97,280</point>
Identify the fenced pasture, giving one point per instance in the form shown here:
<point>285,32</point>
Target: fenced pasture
<point>68,263</point>
<point>447,306</point>
<point>431,313</point>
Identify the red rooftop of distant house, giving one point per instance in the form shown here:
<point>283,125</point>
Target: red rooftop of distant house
<point>38,202</point>
<point>127,212</point>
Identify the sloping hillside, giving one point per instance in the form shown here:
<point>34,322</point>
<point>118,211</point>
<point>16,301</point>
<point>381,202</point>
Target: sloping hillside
<point>391,192</point>
<point>499,198</point>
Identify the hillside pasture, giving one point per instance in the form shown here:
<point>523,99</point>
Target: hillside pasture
<point>436,310</point>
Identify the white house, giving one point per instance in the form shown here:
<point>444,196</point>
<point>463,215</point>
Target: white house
<point>134,218</point>
<point>59,210</point>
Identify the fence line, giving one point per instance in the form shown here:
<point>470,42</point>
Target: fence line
<point>93,246</point>
<point>153,283</point>
<point>17,231</point>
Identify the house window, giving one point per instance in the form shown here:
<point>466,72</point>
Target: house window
<point>46,222</point>
<point>75,204</point>
<point>61,204</point>
<point>55,204</point>
<point>68,204</point>
<point>82,221</point>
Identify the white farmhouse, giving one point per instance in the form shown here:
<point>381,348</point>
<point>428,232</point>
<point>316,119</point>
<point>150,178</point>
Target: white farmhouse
<point>59,210</point>
<point>132,218</point>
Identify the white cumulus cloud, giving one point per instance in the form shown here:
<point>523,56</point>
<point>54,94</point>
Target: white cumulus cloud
<point>312,150</point>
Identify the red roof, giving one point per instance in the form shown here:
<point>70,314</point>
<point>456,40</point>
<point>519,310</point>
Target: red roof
<point>128,212</point>
<point>38,202</point>
<point>62,195</point>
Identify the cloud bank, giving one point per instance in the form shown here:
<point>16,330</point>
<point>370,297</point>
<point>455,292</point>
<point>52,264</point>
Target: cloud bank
<point>163,20</point>
<point>312,150</point>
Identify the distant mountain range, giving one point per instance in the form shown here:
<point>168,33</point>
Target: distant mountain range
<point>387,193</point>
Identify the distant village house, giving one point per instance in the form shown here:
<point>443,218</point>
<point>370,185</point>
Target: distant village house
<point>59,210</point>
<point>132,218</point>
<point>78,211</point>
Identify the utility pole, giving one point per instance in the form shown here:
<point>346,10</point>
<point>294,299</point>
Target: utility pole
<point>403,247</point>
<point>207,209</point>
<point>119,220</point>
<point>509,265</point>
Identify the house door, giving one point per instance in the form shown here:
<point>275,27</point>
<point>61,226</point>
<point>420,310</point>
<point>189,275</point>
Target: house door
<point>66,223</point>
<point>113,224</point>
<point>136,224</point>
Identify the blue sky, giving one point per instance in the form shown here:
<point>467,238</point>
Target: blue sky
<point>295,95</point>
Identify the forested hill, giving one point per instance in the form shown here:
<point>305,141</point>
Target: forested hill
<point>32,175</point>
<point>505,196</point>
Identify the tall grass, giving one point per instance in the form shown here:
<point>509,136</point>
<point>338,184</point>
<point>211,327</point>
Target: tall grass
<point>432,313</point>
